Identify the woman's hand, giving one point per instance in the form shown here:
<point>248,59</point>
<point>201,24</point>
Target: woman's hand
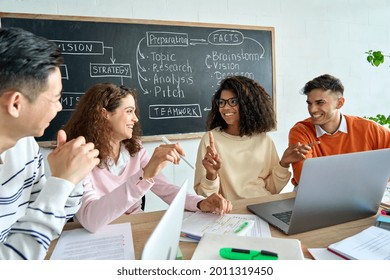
<point>211,161</point>
<point>216,203</point>
<point>162,155</point>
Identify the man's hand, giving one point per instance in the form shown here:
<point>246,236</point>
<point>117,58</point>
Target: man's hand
<point>72,160</point>
<point>296,153</point>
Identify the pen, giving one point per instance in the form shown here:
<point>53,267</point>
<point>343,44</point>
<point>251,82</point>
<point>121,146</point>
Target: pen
<point>244,254</point>
<point>241,227</point>
<point>166,141</point>
<point>191,236</point>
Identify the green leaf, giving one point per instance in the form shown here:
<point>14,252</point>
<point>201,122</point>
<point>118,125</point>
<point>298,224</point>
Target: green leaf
<point>375,58</point>
<point>380,119</point>
<point>377,54</point>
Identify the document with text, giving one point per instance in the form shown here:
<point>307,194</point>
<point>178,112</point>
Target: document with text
<point>372,243</point>
<point>112,242</point>
<point>198,223</point>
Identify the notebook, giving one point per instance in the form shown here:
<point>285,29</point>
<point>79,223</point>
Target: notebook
<point>210,243</point>
<point>332,190</point>
<point>163,243</point>
<point>372,243</point>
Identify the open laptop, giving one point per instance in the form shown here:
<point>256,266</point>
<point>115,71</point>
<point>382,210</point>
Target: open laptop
<point>163,243</point>
<point>332,190</point>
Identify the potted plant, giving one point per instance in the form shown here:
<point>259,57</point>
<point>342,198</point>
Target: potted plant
<point>381,119</point>
<point>376,58</point>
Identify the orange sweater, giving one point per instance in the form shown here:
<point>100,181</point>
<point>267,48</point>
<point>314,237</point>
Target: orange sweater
<point>363,135</point>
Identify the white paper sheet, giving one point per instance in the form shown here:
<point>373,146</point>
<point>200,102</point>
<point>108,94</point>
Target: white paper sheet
<point>112,242</point>
<point>259,229</point>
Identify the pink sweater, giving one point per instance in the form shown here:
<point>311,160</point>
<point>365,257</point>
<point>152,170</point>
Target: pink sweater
<point>107,196</point>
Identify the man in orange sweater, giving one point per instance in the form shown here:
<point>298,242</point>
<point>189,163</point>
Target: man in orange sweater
<point>327,131</point>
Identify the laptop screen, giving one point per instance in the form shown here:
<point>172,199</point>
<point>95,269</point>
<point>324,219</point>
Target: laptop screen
<point>164,240</point>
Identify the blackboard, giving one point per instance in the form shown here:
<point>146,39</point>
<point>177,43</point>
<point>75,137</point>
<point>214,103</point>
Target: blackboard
<point>176,67</point>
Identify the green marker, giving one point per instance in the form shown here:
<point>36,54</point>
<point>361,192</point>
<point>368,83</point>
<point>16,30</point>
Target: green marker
<point>241,227</point>
<point>243,254</point>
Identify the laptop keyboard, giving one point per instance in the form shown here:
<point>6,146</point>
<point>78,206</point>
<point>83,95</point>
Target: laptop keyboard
<point>283,216</point>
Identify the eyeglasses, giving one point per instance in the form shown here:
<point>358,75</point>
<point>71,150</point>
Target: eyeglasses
<point>233,102</point>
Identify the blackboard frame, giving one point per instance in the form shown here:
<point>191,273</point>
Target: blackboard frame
<point>154,138</point>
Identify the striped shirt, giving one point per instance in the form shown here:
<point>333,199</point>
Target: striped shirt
<point>33,209</point>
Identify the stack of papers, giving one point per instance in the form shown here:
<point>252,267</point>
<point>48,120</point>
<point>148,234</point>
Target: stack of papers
<point>372,243</point>
<point>199,223</point>
<point>112,242</point>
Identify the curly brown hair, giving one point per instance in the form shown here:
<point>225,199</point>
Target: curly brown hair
<point>89,121</point>
<point>255,106</point>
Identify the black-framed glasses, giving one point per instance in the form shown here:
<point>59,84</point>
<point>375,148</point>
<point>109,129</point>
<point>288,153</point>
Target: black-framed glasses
<point>233,102</point>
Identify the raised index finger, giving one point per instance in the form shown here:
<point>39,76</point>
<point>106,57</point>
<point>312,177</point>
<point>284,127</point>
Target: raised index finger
<point>212,145</point>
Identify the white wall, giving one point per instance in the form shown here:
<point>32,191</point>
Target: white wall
<point>312,37</point>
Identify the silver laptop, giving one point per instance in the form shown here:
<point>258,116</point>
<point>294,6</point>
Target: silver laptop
<point>332,190</point>
<point>163,243</point>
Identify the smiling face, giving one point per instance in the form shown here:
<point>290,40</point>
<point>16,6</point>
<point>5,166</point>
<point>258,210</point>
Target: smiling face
<point>323,107</point>
<point>230,114</point>
<point>123,119</point>
<point>41,112</point>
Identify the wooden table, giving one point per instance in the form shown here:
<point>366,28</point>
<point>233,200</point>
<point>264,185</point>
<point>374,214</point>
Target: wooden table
<point>143,224</point>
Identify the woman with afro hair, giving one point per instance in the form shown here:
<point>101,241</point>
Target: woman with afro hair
<point>237,158</point>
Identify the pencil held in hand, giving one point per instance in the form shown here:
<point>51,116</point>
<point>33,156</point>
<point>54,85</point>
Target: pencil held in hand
<point>166,141</point>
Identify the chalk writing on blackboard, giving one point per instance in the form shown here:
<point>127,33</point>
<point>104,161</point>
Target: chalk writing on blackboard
<point>175,68</point>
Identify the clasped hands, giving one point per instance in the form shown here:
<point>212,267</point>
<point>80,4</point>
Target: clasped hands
<point>72,160</point>
<point>215,203</point>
